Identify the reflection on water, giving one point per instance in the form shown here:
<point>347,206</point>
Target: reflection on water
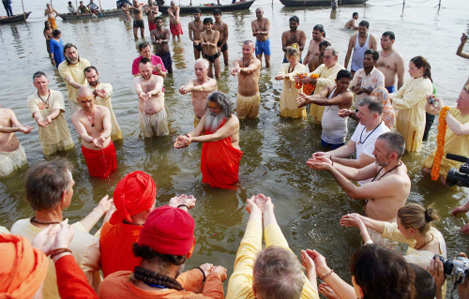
<point>308,204</point>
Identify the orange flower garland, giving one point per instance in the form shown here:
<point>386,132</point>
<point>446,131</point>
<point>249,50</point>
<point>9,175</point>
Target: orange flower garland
<point>308,88</point>
<point>440,144</point>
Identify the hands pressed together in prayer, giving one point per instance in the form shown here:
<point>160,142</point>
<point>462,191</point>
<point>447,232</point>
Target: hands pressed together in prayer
<point>100,93</point>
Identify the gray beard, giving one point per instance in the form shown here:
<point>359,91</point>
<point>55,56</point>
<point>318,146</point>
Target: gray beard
<point>213,121</point>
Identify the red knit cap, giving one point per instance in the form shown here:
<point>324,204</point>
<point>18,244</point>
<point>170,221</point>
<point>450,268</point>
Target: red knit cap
<point>168,230</point>
<point>135,193</point>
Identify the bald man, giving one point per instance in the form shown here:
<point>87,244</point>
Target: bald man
<point>200,88</point>
<point>93,123</point>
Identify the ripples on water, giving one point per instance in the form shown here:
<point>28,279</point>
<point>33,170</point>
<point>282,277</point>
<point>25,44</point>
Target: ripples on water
<point>308,204</point>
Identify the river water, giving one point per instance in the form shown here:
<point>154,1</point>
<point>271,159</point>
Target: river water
<point>308,204</point>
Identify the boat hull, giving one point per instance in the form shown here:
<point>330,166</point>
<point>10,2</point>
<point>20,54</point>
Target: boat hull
<point>208,9</point>
<point>15,18</point>
<point>312,3</point>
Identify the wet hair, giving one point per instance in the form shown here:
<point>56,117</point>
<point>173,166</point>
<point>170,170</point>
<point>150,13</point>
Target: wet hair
<point>208,20</point>
<point>217,12</point>
<point>277,274</point>
<point>223,101</point>
<point>419,62</point>
<point>364,23</point>
<point>372,105</point>
<point>395,143</point>
<point>290,51</point>
<point>424,285</point>
<point>144,60</point>
<point>46,182</point>
<point>324,44</point>
<point>91,67</point>
<point>320,28</point>
<point>355,14</point>
<point>389,34</point>
<point>417,217</point>
<point>202,61</point>
<point>373,54</point>
<point>295,19</point>
<point>343,74</point>
<point>381,273</point>
<point>142,45</point>
<point>56,33</point>
<point>39,74</point>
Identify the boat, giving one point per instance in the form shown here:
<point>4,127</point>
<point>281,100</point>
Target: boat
<point>310,3</point>
<point>15,18</point>
<point>210,8</point>
<point>103,14</point>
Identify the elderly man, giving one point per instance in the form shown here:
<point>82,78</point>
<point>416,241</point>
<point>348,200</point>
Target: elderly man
<point>312,59</point>
<point>48,108</point>
<point>293,36</point>
<point>367,78</point>
<point>247,68</point>
<point>326,74</point>
<point>362,143</point>
<point>195,30</point>
<point>71,71</point>
<point>457,134</point>
<point>12,156</point>
<point>200,88</point>
<point>93,124</point>
<point>49,190</point>
<point>218,130</point>
<point>151,111</point>
<point>359,43</point>
<point>144,49</point>
<point>260,29</point>
<point>165,243</point>
<point>390,63</point>
<point>273,272</point>
<point>103,93</point>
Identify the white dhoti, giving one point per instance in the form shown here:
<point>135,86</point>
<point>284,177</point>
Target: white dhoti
<point>11,161</point>
<point>154,124</point>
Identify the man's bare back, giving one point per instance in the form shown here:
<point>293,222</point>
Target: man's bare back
<point>261,29</point>
<point>388,64</point>
<point>93,124</point>
<point>154,103</point>
<point>248,82</point>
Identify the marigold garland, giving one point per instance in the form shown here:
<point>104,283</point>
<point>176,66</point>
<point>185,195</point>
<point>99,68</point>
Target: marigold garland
<point>440,143</point>
<point>308,88</point>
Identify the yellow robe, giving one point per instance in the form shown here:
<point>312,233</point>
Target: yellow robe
<point>409,103</point>
<point>76,73</point>
<point>454,144</point>
<point>326,79</point>
<point>56,136</point>
<point>288,106</point>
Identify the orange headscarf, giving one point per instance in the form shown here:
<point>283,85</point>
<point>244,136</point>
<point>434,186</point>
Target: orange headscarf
<point>135,193</point>
<point>22,267</point>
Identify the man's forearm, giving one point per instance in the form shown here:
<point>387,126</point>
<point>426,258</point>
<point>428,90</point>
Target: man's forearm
<point>9,129</point>
<point>347,185</point>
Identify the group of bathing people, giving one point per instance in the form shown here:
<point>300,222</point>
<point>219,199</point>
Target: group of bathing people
<point>160,251</point>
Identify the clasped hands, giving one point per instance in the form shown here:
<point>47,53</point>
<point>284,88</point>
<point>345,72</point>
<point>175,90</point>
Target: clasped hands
<point>320,161</point>
<point>182,141</point>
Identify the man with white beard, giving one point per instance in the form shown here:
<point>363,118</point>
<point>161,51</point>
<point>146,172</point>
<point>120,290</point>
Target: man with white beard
<point>218,130</point>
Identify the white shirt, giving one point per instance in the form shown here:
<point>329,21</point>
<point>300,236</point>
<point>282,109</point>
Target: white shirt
<point>365,140</point>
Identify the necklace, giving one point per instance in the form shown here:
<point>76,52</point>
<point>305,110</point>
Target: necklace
<point>399,164</point>
<point>360,140</point>
<point>46,101</point>
<point>91,119</point>
<point>33,220</point>
<point>246,64</point>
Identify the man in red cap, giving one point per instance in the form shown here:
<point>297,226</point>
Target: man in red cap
<point>165,242</point>
<point>134,198</point>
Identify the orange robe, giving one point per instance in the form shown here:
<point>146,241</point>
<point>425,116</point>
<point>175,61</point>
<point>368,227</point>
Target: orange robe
<point>115,246</point>
<point>219,162</point>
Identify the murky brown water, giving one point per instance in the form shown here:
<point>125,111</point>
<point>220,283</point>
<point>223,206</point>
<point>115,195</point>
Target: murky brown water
<point>308,204</point>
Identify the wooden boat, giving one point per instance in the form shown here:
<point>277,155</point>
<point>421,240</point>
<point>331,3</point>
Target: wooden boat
<point>103,14</point>
<point>209,9</point>
<point>310,3</point>
<point>15,18</point>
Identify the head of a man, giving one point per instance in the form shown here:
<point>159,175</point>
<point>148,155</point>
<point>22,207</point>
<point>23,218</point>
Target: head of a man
<point>197,14</point>
<point>248,49</point>
<point>259,13</point>
<point>323,45</point>
<point>91,75</point>
<point>49,185</point>
<point>41,82</point>
<point>369,59</point>
<point>219,107</point>
<point>69,3</point>
<point>172,4</point>
<point>363,27</point>
<point>201,69</point>
<point>81,3</point>
<point>387,40</point>
<point>56,34</point>
<point>217,14</point>
<point>342,80</point>
<point>159,22</point>
<point>369,112</point>
<point>389,148</point>
<point>277,274</point>
<point>208,24</point>
<point>145,68</point>
<point>71,54</point>
<point>330,57</point>
<point>294,23</point>
<point>85,99</point>
<point>462,102</point>
<point>318,32</point>
<point>144,49</point>
<point>355,15</point>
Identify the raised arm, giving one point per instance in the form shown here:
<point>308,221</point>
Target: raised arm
<point>284,42</point>
<point>80,128</point>
<point>362,161</point>
<point>210,85</point>
<point>68,78</point>
<point>342,100</point>
<point>251,68</point>
<point>93,217</point>
<point>459,51</point>
<point>400,71</point>
<point>302,41</point>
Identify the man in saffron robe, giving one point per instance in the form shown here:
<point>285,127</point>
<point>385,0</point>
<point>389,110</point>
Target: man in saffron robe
<point>218,130</point>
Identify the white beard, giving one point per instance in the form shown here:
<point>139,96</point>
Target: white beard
<point>213,121</point>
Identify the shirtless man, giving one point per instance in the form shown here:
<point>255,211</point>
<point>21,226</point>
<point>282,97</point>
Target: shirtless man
<point>160,38</point>
<point>126,9</point>
<point>221,27</point>
<point>12,155</point>
<point>200,88</point>
<point>359,43</point>
<point>260,29</point>
<point>174,21</point>
<point>151,110</point>
<point>390,184</point>
<point>312,57</point>
<point>152,12</point>
<point>390,63</point>
<point>137,12</point>
<point>293,36</point>
<point>247,68</point>
<point>195,29</point>
<point>209,43</point>
<point>352,23</point>
<point>93,124</point>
